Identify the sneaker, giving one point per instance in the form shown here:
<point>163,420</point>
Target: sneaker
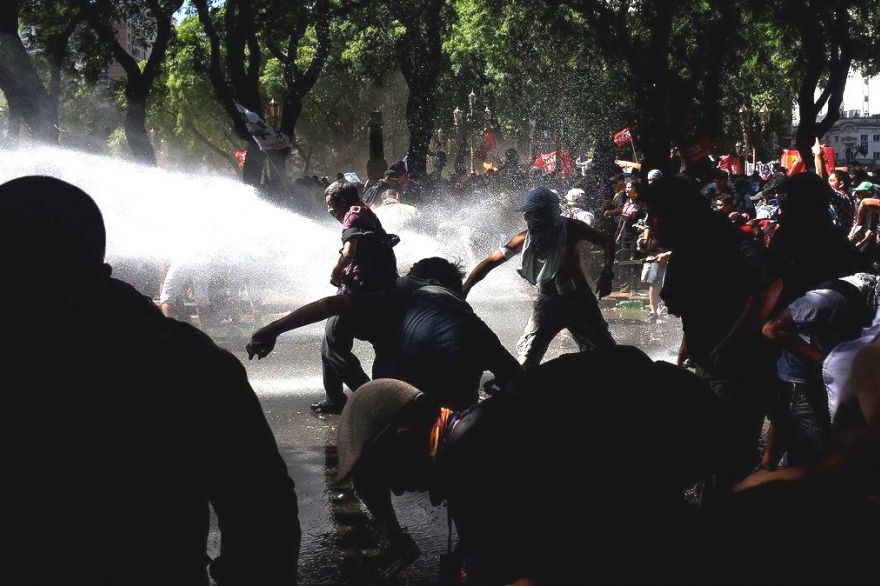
<point>327,407</point>
<point>400,552</point>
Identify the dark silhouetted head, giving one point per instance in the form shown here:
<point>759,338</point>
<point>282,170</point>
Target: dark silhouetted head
<point>446,273</point>
<point>675,208</point>
<point>804,198</point>
<point>52,243</point>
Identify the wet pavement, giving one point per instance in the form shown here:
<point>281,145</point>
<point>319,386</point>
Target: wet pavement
<point>339,544</point>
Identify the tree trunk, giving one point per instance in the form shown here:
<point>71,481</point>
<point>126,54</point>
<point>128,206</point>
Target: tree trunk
<point>136,129</point>
<point>27,97</point>
<point>252,174</point>
<point>419,54</point>
<point>421,111</point>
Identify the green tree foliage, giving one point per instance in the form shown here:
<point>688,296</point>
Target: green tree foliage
<point>34,37</point>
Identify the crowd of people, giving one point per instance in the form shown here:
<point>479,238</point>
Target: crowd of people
<point>144,422</point>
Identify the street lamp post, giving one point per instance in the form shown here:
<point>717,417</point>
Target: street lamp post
<point>274,112</point>
<point>752,138</point>
<point>472,100</point>
<point>744,115</point>
<point>464,122</point>
<point>764,113</point>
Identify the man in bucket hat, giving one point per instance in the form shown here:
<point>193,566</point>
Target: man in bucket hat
<point>552,262</point>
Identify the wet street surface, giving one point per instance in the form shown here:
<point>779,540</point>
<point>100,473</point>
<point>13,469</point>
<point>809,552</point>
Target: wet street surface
<point>339,543</point>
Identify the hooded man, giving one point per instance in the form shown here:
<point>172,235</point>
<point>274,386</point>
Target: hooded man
<point>552,261</point>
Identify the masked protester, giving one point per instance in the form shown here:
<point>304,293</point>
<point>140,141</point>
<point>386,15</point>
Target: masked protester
<point>552,261</point>
<point>366,264</point>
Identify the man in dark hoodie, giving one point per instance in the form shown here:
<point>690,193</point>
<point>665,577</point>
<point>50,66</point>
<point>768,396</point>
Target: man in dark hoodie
<point>122,426</point>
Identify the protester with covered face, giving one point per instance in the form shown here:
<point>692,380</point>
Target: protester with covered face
<point>551,261</point>
<point>497,466</point>
<point>366,263</point>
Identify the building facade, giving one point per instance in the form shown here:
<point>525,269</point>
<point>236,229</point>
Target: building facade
<point>856,139</point>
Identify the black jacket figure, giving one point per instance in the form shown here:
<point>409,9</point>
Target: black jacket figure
<point>122,426</point>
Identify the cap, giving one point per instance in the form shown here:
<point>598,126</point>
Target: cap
<point>655,174</point>
<point>574,194</point>
<point>864,186</point>
<point>537,198</point>
<point>376,405</point>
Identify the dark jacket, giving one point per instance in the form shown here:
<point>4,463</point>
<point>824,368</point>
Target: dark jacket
<point>118,435</point>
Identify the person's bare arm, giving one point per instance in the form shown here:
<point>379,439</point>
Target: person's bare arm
<point>783,331</point>
<point>818,160</point>
<point>495,259</point>
<point>859,450</point>
<point>582,231</point>
<point>263,340</point>
<point>869,204</point>
<point>348,251</point>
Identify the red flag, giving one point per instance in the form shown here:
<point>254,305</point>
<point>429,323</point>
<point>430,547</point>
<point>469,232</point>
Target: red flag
<point>792,161</point>
<point>623,137</point>
<point>698,150</point>
<point>547,161</point>
<point>828,158</point>
<point>487,144</point>
<point>731,164</point>
<point>241,156</point>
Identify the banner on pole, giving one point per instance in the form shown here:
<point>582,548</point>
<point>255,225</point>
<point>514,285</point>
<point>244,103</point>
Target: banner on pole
<point>547,162</point>
<point>623,137</point>
<point>266,137</point>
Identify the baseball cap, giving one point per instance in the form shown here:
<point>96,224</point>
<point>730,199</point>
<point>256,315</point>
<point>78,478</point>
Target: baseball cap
<point>574,194</point>
<point>864,186</point>
<point>367,413</point>
<point>537,198</point>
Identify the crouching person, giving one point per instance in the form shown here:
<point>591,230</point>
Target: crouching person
<point>503,467</point>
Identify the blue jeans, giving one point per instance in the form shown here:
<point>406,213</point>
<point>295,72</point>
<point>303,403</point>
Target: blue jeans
<point>802,421</point>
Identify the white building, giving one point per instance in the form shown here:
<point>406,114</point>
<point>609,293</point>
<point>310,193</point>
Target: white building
<point>856,135</point>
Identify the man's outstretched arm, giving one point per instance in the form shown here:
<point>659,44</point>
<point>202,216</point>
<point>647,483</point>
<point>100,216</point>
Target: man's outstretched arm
<point>263,340</point>
<point>496,258</point>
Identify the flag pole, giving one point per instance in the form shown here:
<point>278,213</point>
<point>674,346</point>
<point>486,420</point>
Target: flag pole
<point>632,143</point>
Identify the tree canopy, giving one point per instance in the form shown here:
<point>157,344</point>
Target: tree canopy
<point>562,72</point>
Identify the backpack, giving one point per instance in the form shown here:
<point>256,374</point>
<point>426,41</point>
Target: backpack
<point>374,267</point>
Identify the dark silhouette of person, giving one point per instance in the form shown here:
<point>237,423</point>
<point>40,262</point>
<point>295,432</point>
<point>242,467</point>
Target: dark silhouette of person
<point>423,333</point>
<point>721,285</point>
<point>122,428</point>
<point>502,467</point>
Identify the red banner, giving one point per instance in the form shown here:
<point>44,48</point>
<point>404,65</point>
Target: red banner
<point>698,150</point>
<point>791,160</point>
<point>547,162</point>
<point>486,145</point>
<point>828,159</point>
<point>623,137</point>
<point>731,164</point>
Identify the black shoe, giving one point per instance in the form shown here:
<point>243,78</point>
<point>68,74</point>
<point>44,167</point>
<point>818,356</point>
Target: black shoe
<point>400,552</point>
<point>327,407</point>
